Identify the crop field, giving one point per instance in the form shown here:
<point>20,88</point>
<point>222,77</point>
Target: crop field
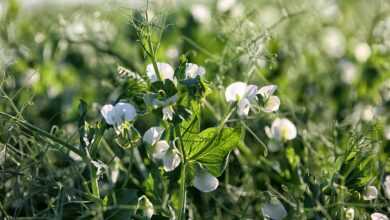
<point>195,109</point>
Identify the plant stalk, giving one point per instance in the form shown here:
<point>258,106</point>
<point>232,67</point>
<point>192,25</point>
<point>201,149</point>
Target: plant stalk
<point>183,194</point>
<point>183,175</point>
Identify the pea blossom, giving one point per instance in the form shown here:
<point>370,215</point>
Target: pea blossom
<point>204,181</point>
<point>243,94</point>
<point>349,214</point>
<point>168,112</point>
<point>160,149</point>
<point>246,97</point>
<point>274,210</point>
<point>271,102</point>
<point>165,70</point>
<point>386,186</point>
<point>378,216</point>
<point>193,71</point>
<point>281,130</point>
<point>145,206</point>
<point>371,193</point>
<point>118,114</point>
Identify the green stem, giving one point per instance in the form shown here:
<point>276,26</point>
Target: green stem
<point>183,194</point>
<point>183,175</point>
<point>31,127</point>
<point>95,184</point>
<point>44,133</point>
<point>151,52</point>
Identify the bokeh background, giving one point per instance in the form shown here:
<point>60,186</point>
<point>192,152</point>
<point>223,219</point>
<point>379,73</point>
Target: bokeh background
<point>330,60</point>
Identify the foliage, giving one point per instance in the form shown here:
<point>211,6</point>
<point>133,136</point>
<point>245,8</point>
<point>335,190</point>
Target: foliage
<point>71,146</point>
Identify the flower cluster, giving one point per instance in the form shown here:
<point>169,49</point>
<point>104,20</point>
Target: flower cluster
<point>250,97</point>
<point>246,97</point>
<point>165,97</point>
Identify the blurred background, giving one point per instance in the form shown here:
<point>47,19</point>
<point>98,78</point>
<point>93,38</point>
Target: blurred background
<point>328,56</point>
<point>330,60</point>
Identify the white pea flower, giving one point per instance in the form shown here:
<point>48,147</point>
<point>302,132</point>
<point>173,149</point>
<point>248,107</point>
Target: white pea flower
<point>370,193</point>
<point>272,102</point>
<point>168,113</point>
<point>152,135</point>
<point>368,113</point>
<point>166,104</point>
<point>160,149</point>
<point>378,216</point>
<point>386,132</point>
<point>204,181</point>
<point>349,71</point>
<point>193,70</point>
<point>243,94</point>
<point>362,52</point>
<point>146,206</point>
<point>171,159</point>
<point>165,70</point>
<point>333,42</point>
<point>274,210</point>
<point>281,130</point>
<point>201,13</point>
<point>225,5</point>
<point>244,106</point>
<point>267,91</point>
<point>349,214</point>
<point>116,115</point>
<point>235,91</point>
<point>386,186</point>
<point>246,96</point>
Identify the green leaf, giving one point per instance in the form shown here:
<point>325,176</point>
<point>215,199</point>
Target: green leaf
<point>211,147</point>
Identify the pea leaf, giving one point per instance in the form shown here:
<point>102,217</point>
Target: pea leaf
<point>211,147</point>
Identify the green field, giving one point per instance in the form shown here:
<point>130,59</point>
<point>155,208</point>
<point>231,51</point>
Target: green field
<point>190,109</point>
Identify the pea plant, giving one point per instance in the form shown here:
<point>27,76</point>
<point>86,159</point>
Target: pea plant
<point>177,143</point>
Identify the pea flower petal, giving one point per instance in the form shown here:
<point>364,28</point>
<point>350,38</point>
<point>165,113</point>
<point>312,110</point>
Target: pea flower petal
<point>168,113</point>
<point>152,135</point>
<point>115,115</point>
<point>272,104</point>
<point>274,210</point>
<point>350,214</point>
<point>204,181</point>
<point>165,70</point>
<point>126,111</point>
<point>243,107</point>
<point>235,91</point>
<point>386,186</point>
<point>160,149</point>
<point>108,114</point>
<point>146,206</point>
<point>371,193</point>
<point>171,160</point>
<point>267,91</point>
<point>282,130</point>
<point>378,216</point>
<point>251,92</point>
<point>193,70</point>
